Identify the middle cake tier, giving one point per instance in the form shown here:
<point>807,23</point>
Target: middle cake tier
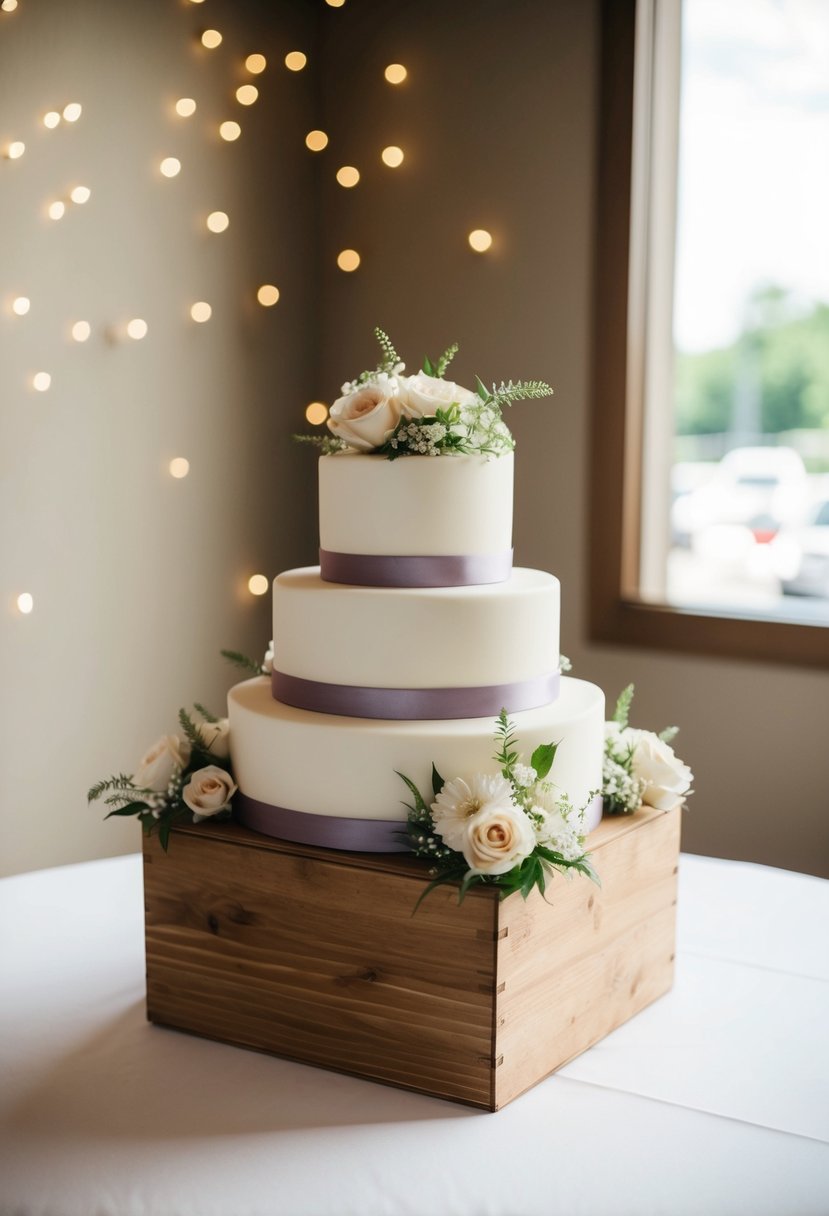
<point>421,652</point>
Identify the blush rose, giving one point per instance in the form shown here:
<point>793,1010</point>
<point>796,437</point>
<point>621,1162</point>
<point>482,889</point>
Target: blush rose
<point>160,762</point>
<point>365,418</point>
<point>209,791</point>
<point>497,839</point>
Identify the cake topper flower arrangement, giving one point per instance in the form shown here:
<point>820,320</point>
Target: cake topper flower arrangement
<point>511,829</point>
<point>386,412</point>
<point>640,767</point>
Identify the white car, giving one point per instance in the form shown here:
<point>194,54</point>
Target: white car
<point>801,553</point>
<point>758,489</point>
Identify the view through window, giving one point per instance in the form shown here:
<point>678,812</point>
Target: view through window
<point>748,503</point>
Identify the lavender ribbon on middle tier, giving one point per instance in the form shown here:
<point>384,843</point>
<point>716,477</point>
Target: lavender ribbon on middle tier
<point>414,704</point>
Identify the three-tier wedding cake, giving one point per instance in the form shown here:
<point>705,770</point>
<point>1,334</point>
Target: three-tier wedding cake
<point>398,651</point>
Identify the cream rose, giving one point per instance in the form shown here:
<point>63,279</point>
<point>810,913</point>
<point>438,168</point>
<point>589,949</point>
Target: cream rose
<point>497,839</point>
<point>459,801</point>
<point>160,762</point>
<point>422,395</point>
<point>365,418</point>
<point>215,737</point>
<point>208,791</point>
<point>667,780</point>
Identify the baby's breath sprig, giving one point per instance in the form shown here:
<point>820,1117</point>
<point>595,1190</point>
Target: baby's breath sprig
<point>326,443</point>
<point>391,359</point>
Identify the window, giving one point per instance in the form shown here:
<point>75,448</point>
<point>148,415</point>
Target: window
<point>711,342</point>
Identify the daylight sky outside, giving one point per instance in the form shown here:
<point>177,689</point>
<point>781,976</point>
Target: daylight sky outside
<point>754,160</point>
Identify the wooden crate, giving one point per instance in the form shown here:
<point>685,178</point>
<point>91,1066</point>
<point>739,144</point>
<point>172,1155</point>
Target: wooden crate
<point>315,955</point>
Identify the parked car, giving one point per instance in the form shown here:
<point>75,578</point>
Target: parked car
<point>759,489</point>
<point>801,551</point>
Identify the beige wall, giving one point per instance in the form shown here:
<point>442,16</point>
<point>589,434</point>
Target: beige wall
<point>138,580</point>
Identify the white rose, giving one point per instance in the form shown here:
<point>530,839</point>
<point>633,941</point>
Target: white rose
<point>365,418</point>
<point>267,662</point>
<point>208,791</point>
<point>496,839</point>
<point>160,762</point>
<point>666,778</point>
<point>422,395</point>
<point>215,737</point>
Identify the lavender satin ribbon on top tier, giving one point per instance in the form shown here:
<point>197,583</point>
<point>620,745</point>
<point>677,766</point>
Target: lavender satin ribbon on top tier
<point>440,570</point>
<point>413,704</point>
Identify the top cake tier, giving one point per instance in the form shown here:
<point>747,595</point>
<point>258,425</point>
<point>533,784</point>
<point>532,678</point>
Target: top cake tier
<point>417,521</point>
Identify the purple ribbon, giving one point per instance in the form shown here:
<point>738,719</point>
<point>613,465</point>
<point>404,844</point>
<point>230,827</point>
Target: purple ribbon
<point>326,831</point>
<point>333,832</point>
<point>385,570</point>
<point>413,704</point>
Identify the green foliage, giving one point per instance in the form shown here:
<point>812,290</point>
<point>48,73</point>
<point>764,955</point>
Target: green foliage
<point>780,361</point>
<point>205,713</point>
<point>669,734</point>
<point>119,782</point>
<point>520,390</point>
<point>621,713</point>
<point>241,660</point>
<point>390,355</point>
<point>326,443</point>
<point>445,359</point>
<point>542,759</point>
<point>506,755</point>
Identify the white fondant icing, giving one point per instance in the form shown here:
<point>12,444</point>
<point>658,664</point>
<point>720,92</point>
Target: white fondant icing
<point>425,637</point>
<point>416,505</point>
<point>327,765</point>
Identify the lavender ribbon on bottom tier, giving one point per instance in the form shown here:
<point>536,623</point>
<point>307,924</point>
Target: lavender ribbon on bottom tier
<point>333,832</point>
<point>440,570</point>
<point>326,831</point>
<point>413,704</point>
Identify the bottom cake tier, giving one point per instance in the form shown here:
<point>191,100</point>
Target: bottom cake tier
<point>328,780</point>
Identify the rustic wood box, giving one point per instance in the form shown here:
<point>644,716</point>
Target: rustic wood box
<point>315,955</point>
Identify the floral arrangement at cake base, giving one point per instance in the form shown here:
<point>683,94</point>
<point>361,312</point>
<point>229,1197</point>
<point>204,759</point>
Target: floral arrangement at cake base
<point>385,412</point>
<point>511,829</point>
<point>640,768</point>
<point>181,777</point>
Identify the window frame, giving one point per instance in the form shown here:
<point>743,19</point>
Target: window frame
<point>616,614</point>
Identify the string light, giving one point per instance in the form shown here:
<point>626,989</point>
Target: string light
<point>137,329</point>
<point>81,331</point>
<point>25,601</point>
<point>230,131</point>
<point>348,176</point>
<point>395,73</point>
<point>335,3</point>
<point>295,61</point>
<point>316,413</point>
<point>247,94</point>
<point>21,305</point>
<point>8,6</point>
<point>217,221</point>
<point>57,210</point>
<point>73,111</point>
<point>267,295</point>
<point>257,584</point>
<point>170,166</point>
<point>41,381</point>
<point>201,311</point>
<point>179,467</point>
<point>348,259</point>
<point>51,119</point>
<point>211,39</point>
<point>316,141</point>
<point>256,64</point>
<point>392,156</point>
<point>15,149</point>
<point>81,194</point>
<point>480,240</point>
<point>185,106</point>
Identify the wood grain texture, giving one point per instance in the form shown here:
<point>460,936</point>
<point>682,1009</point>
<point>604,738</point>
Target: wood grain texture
<point>315,955</point>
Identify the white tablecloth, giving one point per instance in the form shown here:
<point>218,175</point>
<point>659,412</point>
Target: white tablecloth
<point>715,1100</point>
